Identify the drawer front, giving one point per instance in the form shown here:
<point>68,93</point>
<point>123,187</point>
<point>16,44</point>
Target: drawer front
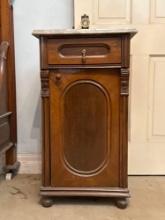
<point>84,51</point>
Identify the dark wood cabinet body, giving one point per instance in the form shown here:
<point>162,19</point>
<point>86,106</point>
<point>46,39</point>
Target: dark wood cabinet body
<point>8,124</point>
<point>84,80</point>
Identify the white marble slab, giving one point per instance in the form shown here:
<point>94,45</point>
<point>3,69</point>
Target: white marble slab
<point>113,30</point>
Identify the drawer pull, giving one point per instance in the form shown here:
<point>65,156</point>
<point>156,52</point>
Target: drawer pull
<point>83,52</point>
<point>58,77</point>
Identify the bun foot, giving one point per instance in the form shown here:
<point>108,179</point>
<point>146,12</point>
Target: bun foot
<point>46,202</point>
<point>122,203</point>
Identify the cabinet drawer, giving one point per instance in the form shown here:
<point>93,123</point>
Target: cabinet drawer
<point>84,51</point>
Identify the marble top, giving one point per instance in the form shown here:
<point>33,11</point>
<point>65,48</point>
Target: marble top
<point>114,30</point>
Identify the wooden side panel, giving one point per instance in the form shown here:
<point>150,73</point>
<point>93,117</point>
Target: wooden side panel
<point>4,114</point>
<point>4,132</point>
<point>3,79</point>
<point>8,108</point>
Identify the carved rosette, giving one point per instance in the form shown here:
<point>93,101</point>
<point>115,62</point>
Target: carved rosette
<point>45,83</point>
<point>124,81</point>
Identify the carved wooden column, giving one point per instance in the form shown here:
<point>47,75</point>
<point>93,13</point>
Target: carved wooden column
<point>7,35</point>
<point>45,127</point>
<point>124,92</point>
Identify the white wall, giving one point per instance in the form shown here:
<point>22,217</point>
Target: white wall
<point>29,15</point>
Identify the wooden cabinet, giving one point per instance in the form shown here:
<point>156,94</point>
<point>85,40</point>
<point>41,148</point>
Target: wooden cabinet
<point>84,77</point>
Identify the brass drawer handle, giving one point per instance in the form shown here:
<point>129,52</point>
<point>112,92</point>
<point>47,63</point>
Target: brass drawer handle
<point>83,53</point>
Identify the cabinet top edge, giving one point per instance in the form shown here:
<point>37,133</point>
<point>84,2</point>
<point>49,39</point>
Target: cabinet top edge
<point>56,32</point>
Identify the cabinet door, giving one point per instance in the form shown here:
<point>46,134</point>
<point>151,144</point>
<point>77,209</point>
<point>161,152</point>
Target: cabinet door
<point>84,111</point>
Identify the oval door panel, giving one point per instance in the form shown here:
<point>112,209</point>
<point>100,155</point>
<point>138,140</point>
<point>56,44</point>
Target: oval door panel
<point>85,127</point>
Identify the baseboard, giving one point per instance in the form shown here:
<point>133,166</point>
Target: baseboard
<point>30,163</point>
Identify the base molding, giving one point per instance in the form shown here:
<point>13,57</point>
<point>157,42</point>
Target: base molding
<point>30,163</point>
<point>119,195</point>
<point>83,191</point>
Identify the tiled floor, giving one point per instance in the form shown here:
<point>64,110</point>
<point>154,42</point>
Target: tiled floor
<point>19,201</point>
